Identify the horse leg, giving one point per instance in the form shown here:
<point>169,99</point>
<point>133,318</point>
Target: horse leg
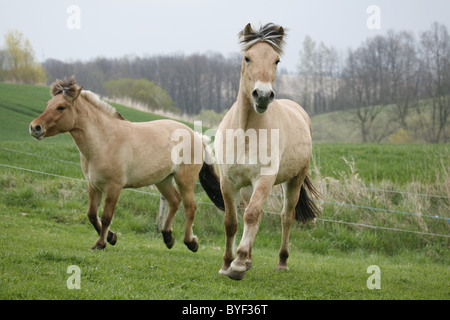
<point>292,191</point>
<point>252,219</point>
<point>185,179</point>
<point>173,199</point>
<point>230,221</point>
<point>111,197</point>
<point>95,197</point>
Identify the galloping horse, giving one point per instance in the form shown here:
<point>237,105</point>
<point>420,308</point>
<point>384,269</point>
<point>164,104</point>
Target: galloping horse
<point>258,114</point>
<point>116,154</point>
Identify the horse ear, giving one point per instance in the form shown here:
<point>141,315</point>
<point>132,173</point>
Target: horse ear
<point>77,93</point>
<point>281,31</point>
<point>248,30</point>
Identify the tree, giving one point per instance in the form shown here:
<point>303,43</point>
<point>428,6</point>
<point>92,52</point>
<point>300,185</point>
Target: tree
<point>19,60</point>
<point>435,56</point>
<point>404,68</point>
<point>368,80</point>
<point>306,70</point>
<point>320,70</point>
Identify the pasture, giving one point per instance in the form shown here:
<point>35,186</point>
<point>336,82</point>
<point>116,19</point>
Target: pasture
<point>385,205</point>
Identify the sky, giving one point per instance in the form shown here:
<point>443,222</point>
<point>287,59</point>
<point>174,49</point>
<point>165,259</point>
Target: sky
<point>70,30</point>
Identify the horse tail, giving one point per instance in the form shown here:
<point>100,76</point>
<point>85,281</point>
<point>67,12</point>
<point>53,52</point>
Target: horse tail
<point>211,184</point>
<point>209,179</point>
<point>306,208</point>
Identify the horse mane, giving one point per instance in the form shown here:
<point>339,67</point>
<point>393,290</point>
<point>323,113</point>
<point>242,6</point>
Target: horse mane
<point>269,33</point>
<point>102,105</point>
<point>70,90</point>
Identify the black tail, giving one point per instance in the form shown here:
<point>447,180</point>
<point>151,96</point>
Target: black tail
<point>211,183</point>
<point>306,209</point>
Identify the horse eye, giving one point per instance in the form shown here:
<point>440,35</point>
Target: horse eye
<point>247,59</point>
<point>60,108</point>
<point>277,62</point>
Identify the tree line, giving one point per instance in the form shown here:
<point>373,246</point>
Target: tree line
<point>395,70</point>
<point>194,82</point>
<point>398,71</point>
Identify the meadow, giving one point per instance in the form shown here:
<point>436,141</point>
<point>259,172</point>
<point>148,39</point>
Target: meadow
<point>384,205</point>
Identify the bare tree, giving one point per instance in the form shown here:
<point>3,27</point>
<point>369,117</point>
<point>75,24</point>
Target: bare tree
<point>365,80</point>
<point>435,69</point>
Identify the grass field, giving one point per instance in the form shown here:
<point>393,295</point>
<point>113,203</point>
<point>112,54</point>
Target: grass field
<point>44,228</point>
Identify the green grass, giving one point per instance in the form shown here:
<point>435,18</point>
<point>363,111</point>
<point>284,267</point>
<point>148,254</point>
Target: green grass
<point>44,228</point>
<point>400,164</point>
<point>37,252</point>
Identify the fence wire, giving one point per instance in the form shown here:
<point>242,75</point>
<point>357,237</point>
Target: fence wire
<point>447,219</point>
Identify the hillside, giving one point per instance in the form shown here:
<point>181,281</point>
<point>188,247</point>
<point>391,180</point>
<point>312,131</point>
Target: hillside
<point>343,126</point>
<point>20,104</point>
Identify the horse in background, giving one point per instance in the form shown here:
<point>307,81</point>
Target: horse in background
<point>116,153</point>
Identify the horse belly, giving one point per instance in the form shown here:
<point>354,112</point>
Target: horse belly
<point>294,162</point>
<point>147,173</point>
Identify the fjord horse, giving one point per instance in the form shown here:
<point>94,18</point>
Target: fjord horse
<point>257,112</point>
<point>117,154</point>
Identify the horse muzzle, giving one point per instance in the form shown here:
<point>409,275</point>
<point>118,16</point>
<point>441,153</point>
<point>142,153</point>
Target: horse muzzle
<point>37,131</point>
<point>262,96</point>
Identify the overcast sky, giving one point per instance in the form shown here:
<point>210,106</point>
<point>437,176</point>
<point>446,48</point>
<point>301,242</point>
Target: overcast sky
<point>115,28</point>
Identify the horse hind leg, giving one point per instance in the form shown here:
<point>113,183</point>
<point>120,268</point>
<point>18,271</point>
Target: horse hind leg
<point>173,199</point>
<point>291,192</point>
<point>186,180</point>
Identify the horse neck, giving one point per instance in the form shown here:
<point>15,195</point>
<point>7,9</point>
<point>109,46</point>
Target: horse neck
<point>246,115</point>
<point>90,132</point>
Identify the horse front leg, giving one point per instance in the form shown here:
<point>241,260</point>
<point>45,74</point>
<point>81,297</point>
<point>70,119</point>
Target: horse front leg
<point>111,197</point>
<point>95,197</point>
<point>252,220</point>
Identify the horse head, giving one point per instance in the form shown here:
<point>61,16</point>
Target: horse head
<point>262,50</point>
<point>59,115</point>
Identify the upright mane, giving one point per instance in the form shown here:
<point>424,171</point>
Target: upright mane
<point>70,90</point>
<point>102,105</point>
<point>270,33</point>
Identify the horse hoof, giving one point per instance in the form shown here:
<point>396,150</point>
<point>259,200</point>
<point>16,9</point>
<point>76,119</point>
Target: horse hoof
<point>235,275</point>
<point>193,245</point>
<point>169,240</point>
<point>236,272</point>
<point>223,271</point>
<point>282,267</point>
<point>98,246</point>
<point>112,238</point>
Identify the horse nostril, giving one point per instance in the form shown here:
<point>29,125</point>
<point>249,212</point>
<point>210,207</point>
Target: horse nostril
<point>272,96</point>
<point>255,94</point>
<point>37,128</point>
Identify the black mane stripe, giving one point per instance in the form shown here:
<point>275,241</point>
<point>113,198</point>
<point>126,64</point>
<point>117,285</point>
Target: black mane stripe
<point>68,87</point>
<point>269,33</point>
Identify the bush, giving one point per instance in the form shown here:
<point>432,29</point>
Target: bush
<point>143,91</point>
